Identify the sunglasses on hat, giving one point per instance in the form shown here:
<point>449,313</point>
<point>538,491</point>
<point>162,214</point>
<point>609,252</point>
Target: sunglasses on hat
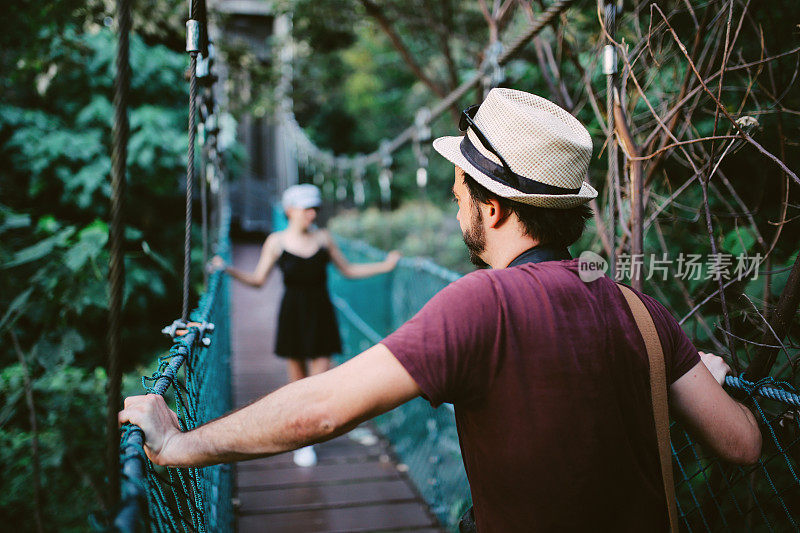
<point>467,121</point>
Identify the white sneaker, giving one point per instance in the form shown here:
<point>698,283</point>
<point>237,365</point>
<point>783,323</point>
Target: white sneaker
<point>305,456</point>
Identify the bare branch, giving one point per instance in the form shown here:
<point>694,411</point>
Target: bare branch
<point>376,12</point>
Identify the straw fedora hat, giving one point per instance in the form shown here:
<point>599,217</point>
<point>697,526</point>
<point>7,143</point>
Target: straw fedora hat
<point>524,148</point>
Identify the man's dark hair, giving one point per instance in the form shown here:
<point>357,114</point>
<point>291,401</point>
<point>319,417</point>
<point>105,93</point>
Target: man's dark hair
<point>556,227</point>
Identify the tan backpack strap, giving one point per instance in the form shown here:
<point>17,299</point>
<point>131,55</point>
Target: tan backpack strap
<point>658,393</point>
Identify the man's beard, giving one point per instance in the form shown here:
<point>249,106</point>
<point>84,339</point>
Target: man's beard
<point>475,239</point>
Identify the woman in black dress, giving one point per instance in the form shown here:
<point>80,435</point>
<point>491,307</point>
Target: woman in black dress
<point>307,329</point>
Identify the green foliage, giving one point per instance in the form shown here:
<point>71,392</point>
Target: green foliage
<point>67,440</point>
<point>351,90</point>
<point>739,241</point>
<point>55,145</point>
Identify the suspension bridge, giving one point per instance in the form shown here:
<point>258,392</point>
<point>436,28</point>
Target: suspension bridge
<point>403,471</point>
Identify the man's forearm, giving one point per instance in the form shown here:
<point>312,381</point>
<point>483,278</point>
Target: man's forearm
<point>752,421</point>
<point>306,411</point>
<point>289,418</point>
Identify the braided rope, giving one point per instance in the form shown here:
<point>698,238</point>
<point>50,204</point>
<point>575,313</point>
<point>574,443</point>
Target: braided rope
<point>544,20</point>
<point>134,487</point>
<point>135,466</point>
<point>549,16</point>
<point>766,388</point>
<point>775,390</point>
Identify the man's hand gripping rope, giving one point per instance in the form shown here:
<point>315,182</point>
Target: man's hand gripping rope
<point>159,424</point>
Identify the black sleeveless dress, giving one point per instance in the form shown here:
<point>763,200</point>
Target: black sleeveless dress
<point>306,322</point>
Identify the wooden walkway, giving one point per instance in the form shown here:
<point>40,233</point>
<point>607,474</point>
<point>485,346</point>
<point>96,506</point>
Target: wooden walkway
<point>357,484</point>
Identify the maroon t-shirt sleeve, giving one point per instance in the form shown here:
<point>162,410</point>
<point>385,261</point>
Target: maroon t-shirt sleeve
<point>679,353</point>
<point>450,347</point>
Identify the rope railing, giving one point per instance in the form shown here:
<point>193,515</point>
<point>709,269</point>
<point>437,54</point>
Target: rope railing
<point>194,499</point>
<point>765,388</point>
<point>712,495</point>
<point>195,373</point>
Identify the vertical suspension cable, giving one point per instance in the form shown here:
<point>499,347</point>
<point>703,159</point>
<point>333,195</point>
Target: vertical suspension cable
<point>116,266</point>
<point>204,207</point>
<point>612,181</point>
<point>193,47</point>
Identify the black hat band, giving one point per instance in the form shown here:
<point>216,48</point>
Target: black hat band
<point>499,174</point>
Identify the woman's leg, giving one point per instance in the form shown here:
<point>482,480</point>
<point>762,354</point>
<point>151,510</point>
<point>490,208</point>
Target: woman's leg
<point>319,365</point>
<point>296,368</point>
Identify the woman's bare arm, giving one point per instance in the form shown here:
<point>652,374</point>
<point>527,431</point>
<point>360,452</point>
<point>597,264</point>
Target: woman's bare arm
<point>358,270</point>
<point>269,255</point>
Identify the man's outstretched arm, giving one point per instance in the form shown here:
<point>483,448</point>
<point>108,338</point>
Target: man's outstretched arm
<point>725,425</point>
<point>311,410</point>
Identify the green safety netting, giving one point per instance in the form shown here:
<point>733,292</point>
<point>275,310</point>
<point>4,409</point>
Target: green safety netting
<point>195,379</point>
<point>717,496</point>
<point>712,495</point>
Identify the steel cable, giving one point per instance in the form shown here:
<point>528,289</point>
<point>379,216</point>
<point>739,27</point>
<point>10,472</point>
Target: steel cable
<point>116,265</point>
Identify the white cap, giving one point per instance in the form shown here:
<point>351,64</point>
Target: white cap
<point>302,196</point>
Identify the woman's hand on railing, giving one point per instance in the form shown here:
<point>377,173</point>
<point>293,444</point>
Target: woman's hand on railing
<point>216,264</point>
<point>391,259</point>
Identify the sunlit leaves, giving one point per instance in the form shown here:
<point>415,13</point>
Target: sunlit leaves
<point>89,244</point>
<point>41,249</point>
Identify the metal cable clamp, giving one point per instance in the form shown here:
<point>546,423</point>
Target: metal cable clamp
<point>179,328</point>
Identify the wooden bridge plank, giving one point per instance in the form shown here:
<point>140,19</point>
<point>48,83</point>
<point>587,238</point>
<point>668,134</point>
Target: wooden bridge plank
<point>327,453</point>
<point>400,516</point>
<point>325,496</point>
<point>322,473</point>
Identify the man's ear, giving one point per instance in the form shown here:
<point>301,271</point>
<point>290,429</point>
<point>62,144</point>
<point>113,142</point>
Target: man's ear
<point>494,213</point>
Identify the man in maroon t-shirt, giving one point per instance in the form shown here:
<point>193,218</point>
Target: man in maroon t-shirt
<point>547,371</point>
